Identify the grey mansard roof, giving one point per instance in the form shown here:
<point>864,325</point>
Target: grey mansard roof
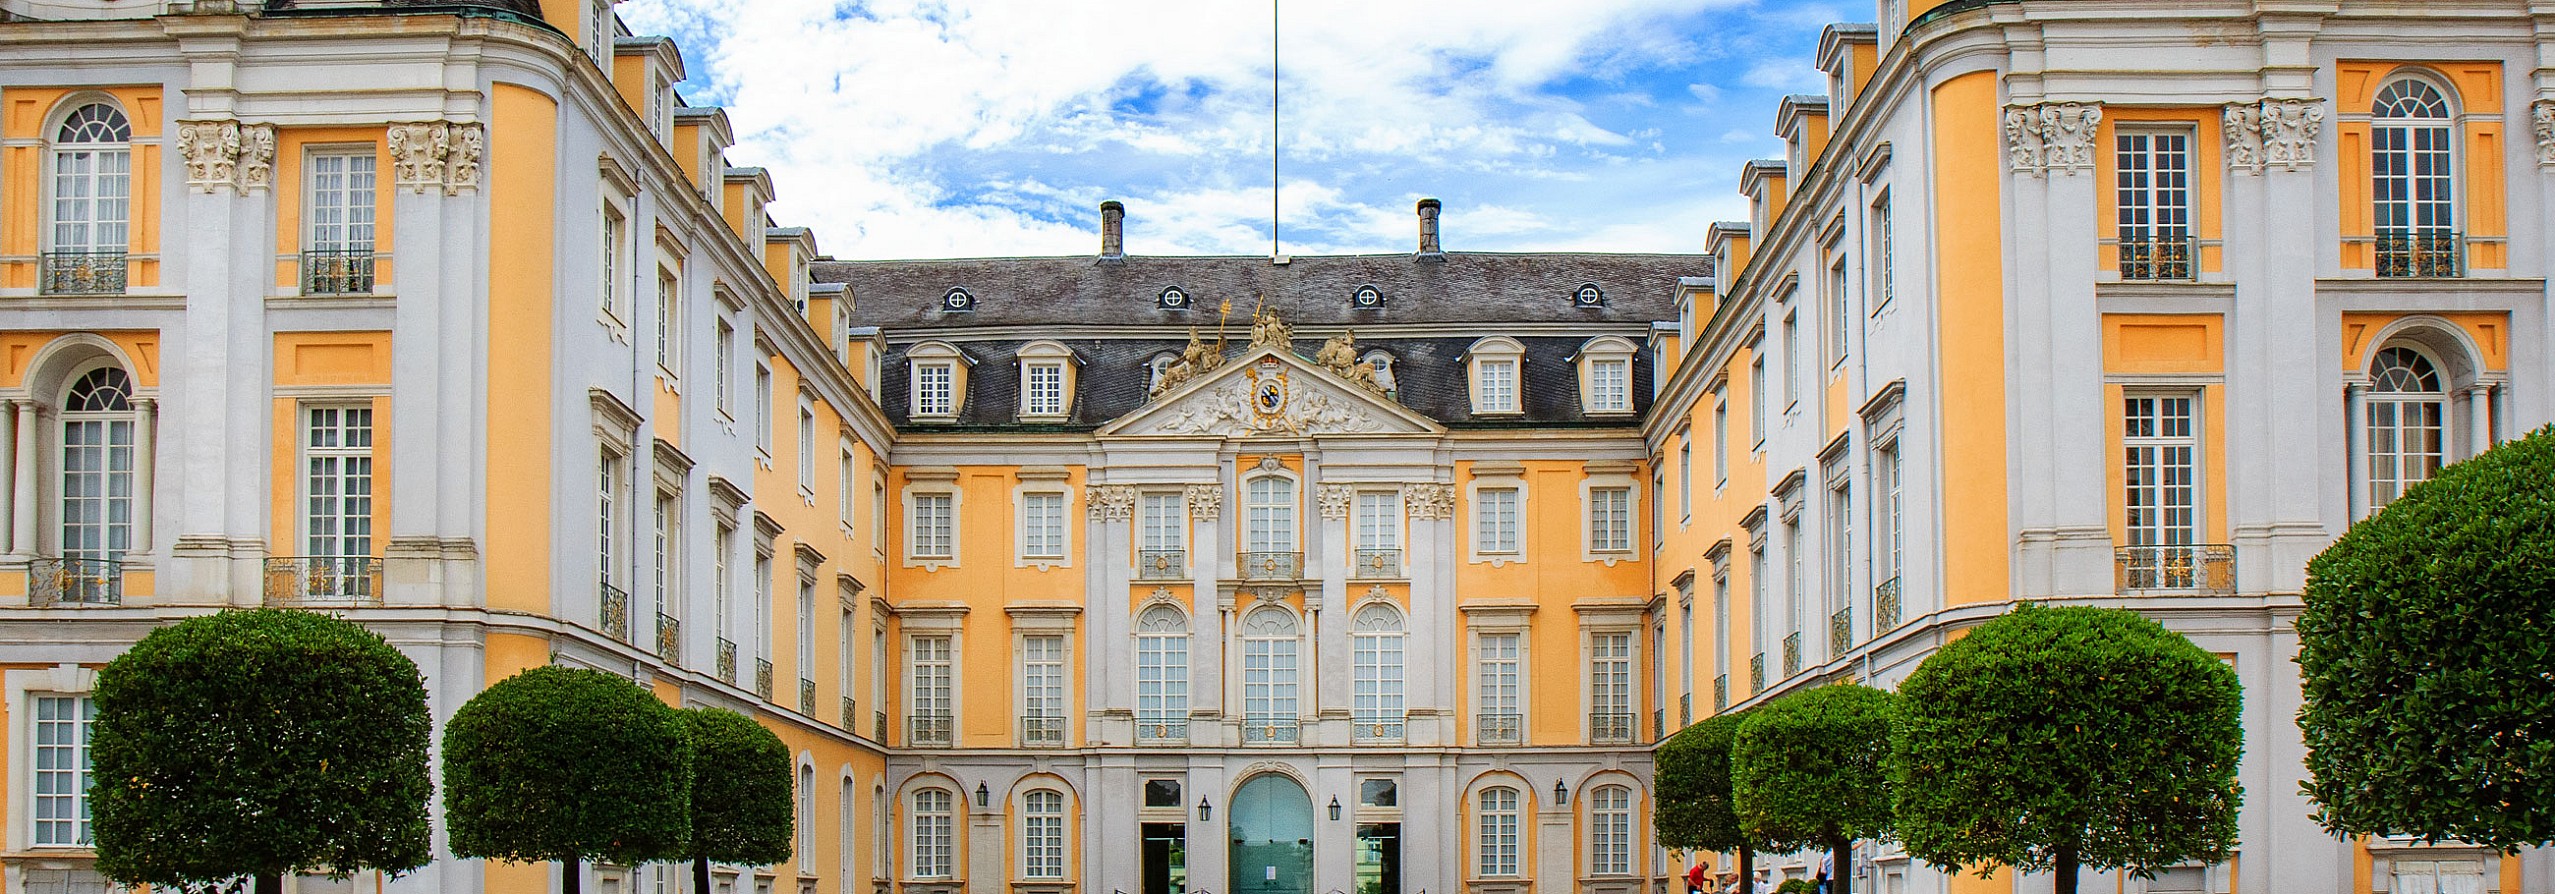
<point>1465,287</point>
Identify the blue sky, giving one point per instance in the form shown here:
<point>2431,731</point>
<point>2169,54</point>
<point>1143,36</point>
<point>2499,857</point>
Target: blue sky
<point>910,128</point>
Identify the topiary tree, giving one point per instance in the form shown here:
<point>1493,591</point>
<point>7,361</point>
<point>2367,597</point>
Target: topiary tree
<point>259,744</point>
<point>566,764</point>
<point>1807,770</point>
<point>741,809</point>
<point>2429,706</point>
<point>2051,739</point>
<point>1693,809</point>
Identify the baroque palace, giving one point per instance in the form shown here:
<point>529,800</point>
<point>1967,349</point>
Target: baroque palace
<point>1366,574</point>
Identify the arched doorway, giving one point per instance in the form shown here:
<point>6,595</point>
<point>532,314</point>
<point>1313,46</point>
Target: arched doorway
<point>1272,833</point>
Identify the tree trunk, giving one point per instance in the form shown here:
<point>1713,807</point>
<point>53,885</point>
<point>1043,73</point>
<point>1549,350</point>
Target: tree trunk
<point>1747,869</point>
<point>701,874</point>
<point>270,883</point>
<point>569,878</point>
<point>2066,860</point>
<point>1841,866</point>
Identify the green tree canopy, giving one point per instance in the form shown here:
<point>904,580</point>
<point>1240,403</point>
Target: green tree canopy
<point>567,764</point>
<point>2428,651</point>
<point>259,743</point>
<point>1692,772</point>
<point>2054,738</point>
<point>1808,770</point>
<point>741,811</point>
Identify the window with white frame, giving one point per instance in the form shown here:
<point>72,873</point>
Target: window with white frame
<point>1659,666</point>
<point>669,321</point>
<point>722,579</point>
<point>1720,440</point>
<point>1887,544</point>
<point>61,760</point>
<point>338,221</point>
<point>1379,522</point>
<point>1658,507</point>
<point>1162,673</point>
<point>1610,519</point>
<point>1685,652</point>
<point>1796,551</point>
<point>878,510</point>
<point>1606,365</point>
<point>763,420</point>
<point>1043,389</point>
<point>92,183</point>
<point>1042,689</point>
<point>1268,506</point>
<point>1791,360</point>
<point>669,537</point>
<point>927,693</point>
<point>2407,422</point>
<point>929,528</point>
<point>1042,526</point>
<point>882,817</point>
<point>1756,398</point>
<point>2161,448</point>
<point>806,445</point>
<point>723,344</point>
<point>1375,702</point>
<point>932,393</point>
<point>843,479</point>
<point>98,466</point>
<point>1610,830</point>
<point>806,818</point>
<point>1610,685</point>
<point>1840,314</point>
<point>1840,545</point>
<point>933,831</point>
<point>1042,835</point>
<point>337,487</point>
<point>1757,590</point>
<point>1495,363</point>
<point>1499,697</point>
<point>1495,843</point>
<point>607,494</point>
<point>1685,474</point>
<point>806,623</point>
<point>763,605</point>
<point>1720,625</point>
<point>2414,178</point>
<point>1164,520</point>
<point>1269,675</point>
<point>1882,280</point>
<point>614,253</point>
<point>2151,193</point>
<point>1495,520</point>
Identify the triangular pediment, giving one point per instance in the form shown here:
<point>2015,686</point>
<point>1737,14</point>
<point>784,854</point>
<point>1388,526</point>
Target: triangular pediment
<point>1268,392</point>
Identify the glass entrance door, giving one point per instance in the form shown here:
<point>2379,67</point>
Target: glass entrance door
<point>1379,858</point>
<point>1272,835</point>
<point>1166,858</point>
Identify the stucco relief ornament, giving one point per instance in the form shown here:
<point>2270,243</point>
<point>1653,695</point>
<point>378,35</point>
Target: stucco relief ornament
<point>417,154</point>
<point>257,156</point>
<point>1206,501</point>
<point>1334,500</point>
<point>2052,136</point>
<point>2022,139</point>
<point>2542,113</point>
<point>461,168</point>
<point>211,150</point>
<point>1429,501</point>
<point>2288,132</point>
<point>2242,124</point>
<point>1113,502</point>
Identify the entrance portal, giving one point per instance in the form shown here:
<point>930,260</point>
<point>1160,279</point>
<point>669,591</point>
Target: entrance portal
<point>1272,832</point>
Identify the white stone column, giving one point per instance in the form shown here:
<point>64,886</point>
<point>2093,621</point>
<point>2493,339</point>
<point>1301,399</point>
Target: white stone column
<point>22,484</point>
<point>146,457</point>
<point>9,460</point>
<point>2355,407</point>
<point>2479,418</point>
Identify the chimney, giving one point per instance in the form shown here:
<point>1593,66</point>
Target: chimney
<point>1428,250</point>
<point>1113,231</point>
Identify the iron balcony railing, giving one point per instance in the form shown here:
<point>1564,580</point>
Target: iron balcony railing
<point>1499,729</point>
<point>669,638</point>
<point>1756,673</point>
<point>1610,728</point>
<point>1042,732</point>
<point>1377,728</point>
<point>2189,568</point>
<point>337,271</point>
<point>75,581</point>
<point>2165,256</point>
<point>1161,564</point>
<point>1160,730</point>
<point>322,580</point>
<point>1721,693</point>
<point>928,730</point>
<point>1841,631</point>
<point>1791,654</point>
<point>1377,563</point>
<point>727,661</point>
<point>1271,731</point>
<point>878,725</point>
<point>2421,253</point>
<point>807,696</point>
<point>80,273</point>
<point>1658,724</point>
<point>851,714</point>
<point>614,612</point>
<point>1270,565</point>
<point>763,678</point>
<point>1685,709</point>
<point>1885,607</point>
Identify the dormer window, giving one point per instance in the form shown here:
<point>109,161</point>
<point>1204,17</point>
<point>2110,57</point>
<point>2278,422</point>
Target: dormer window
<point>1172,298</point>
<point>1367,298</point>
<point>1382,364</point>
<point>1588,297</point>
<point>1495,363</point>
<point>1605,376</point>
<point>937,381</point>
<point>1154,368</point>
<point>958,300</point>
<point>1046,381</point>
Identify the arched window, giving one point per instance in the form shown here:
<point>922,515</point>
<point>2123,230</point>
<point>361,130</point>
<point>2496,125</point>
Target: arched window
<point>1269,515</point>
<point>1376,708</point>
<point>1162,675</point>
<point>1042,835</point>
<point>2414,183</point>
<point>91,203</point>
<point>1495,845</point>
<point>883,835</point>
<point>1610,830</point>
<point>97,466</point>
<point>846,823</point>
<point>1154,368</point>
<point>1269,676</point>
<point>1382,364</point>
<point>2407,413</point>
<point>806,817</point>
<point>931,834</point>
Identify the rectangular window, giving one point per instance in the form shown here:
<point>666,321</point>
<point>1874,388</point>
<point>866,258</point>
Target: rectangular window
<point>1269,678</point>
<point>806,623</point>
<point>723,341</point>
<point>1610,386</point>
<point>1756,399</point>
<point>62,769</point>
<point>1042,526</point>
<point>1685,474</point>
<point>1840,547</point>
<point>933,834</point>
<point>1042,835</point>
<point>1840,314</point>
<point>2160,446</point>
<point>1720,440</point>
<point>932,389</point>
<point>1269,515</point>
<point>1791,361</point>
<point>763,408</point>
<point>878,512</point>
<point>1720,627</point>
<point>668,514</point>
<point>1498,676</point>
<point>843,488</point>
<point>607,489</point>
<point>341,202</point>
<point>1610,831</point>
<point>1610,677</point>
<point>2152,191</point>
<point>1375,702</point>
<point>927,688</point>
<point>1045,391</point>
<point>1497,845</point>
<point>763,606</point>
<point>806,447</point>
<point>615,232</point>
<point>1162,680</point>
<point>1495,520</point>
<point>1610,519</point>
<point>1165,521</point>
<point>669,320</point>
<point>1794,583</point>
<point>930,534</point>
<point>1757,614</point>
<point>1498,386</point>
<point>722,578</point>
<point>1379,520</point>
<point>1658,506</point>
<point>1885,515</point>
<point>1042,677</point>
<point>1883,254</point>
<point>337,456</point>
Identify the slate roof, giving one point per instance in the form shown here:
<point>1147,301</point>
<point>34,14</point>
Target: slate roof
<point>1465,287</point>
